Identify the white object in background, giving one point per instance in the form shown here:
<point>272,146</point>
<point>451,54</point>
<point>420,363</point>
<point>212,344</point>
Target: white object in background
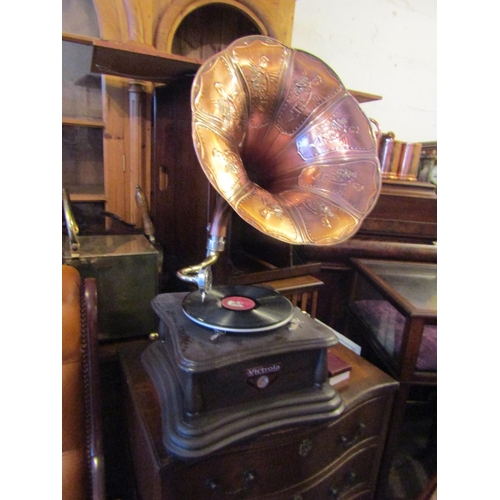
<point>344,340</point>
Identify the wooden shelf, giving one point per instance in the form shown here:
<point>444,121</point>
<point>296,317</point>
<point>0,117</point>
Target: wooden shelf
<point>136,60</point>
<point>408,188</point>
<point>81,39</point>
<point>144,62</point>
<point>80,197</point>
<point>77,122</point>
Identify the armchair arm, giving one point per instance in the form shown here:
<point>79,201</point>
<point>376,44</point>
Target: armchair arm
<point>95,453</point>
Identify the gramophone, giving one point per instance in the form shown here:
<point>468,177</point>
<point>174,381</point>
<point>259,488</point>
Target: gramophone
<point>290,151</point>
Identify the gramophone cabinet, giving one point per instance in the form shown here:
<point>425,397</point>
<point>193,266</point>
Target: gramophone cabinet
<point>338,458</point>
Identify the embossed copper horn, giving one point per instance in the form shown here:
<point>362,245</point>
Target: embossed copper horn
<point>284,143</point>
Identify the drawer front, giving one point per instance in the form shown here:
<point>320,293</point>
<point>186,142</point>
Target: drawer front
<point>279,461</point>
<point>349,481</point>
<point>355,426</point>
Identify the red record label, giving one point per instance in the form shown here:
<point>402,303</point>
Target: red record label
<point>238,303</point>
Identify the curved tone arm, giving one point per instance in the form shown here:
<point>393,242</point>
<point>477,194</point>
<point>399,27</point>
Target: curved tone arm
<point>201,274</point>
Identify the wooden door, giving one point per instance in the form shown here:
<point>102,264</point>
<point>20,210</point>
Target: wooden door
<point>181,193</point>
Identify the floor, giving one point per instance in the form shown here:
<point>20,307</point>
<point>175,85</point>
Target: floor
<point>415,462</point>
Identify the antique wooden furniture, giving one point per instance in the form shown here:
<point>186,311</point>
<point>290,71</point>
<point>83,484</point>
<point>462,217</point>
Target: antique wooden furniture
<point>82,452</point>
<point>402,226</point>
<point>302,291</point>
<point>393,316</point>
<point>336,459</point>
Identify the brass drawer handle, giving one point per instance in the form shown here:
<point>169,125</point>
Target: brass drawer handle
<point>347,443</point>
<point>305,447</point>
<point>335,492</point>
<point>248,481</point>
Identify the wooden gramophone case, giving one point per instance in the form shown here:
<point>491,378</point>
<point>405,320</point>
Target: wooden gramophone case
<point>216,390</point>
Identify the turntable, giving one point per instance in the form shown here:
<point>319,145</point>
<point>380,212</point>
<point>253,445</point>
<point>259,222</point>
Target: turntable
<point>231,361</point>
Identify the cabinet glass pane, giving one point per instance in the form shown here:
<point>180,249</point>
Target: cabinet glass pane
<point>415,283</point>
<point>82,160</point>
<point>81,90</point>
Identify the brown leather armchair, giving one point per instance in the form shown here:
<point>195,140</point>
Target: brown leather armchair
<point>82,450</point>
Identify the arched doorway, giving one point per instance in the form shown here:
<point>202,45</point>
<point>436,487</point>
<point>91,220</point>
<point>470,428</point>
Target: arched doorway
<point>210,28</point>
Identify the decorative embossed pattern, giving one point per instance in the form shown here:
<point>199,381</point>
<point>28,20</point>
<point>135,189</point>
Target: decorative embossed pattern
<point>283,141</point>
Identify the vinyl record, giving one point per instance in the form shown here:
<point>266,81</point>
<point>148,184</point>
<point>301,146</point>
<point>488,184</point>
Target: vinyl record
<point>241,309</point>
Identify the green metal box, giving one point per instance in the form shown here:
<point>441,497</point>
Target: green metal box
<point>126,268</point>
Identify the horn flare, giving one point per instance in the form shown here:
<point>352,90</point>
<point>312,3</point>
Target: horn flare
<point>283,141</point>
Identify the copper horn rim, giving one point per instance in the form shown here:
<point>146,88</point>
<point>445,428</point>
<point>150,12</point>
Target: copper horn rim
<point>284,143</point>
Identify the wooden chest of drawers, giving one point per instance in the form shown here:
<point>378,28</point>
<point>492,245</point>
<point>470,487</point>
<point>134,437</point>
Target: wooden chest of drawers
<point>338,459</point>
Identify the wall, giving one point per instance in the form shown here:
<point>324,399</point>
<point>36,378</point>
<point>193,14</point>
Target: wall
<point>384,47</point>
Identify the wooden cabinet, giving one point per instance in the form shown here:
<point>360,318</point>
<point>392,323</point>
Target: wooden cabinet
<point>393,316</point>
<point>406,211</point>
<point>336,459</point>
<point>402,226</point>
